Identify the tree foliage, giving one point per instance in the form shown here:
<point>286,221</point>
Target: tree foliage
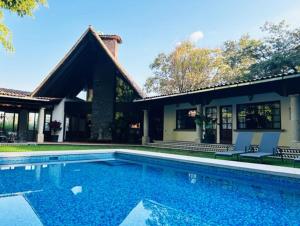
<point>279,51</point>
<point>186,68</point>
<point>236,59</point>
<point>21,8</point>
<point>190,67</point>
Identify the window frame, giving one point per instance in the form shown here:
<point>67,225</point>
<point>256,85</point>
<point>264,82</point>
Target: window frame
<point>15,122</point>
<point>35,121</point>
<point>45,116</point>
<point>177,114</point>
<point>215,114</point>
<point>257,104</point>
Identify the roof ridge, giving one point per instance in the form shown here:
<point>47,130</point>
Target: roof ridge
<point>216,85</point>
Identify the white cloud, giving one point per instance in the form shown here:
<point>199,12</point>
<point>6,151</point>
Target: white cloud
<point>196,36</point>
<point>178,44</point>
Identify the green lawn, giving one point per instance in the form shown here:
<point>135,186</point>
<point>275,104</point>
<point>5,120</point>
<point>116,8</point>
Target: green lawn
<point>23,148</point>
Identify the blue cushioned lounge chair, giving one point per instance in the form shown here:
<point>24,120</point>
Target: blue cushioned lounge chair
<point>242,145</point>
<point>268,146</point>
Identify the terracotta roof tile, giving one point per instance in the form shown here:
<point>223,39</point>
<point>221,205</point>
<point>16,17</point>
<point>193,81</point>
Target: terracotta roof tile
<point>225,85</point>
<point>14,93</point>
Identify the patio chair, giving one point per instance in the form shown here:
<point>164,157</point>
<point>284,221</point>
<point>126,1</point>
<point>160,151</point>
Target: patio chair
<point>242,145</point>
<point>267,147</point>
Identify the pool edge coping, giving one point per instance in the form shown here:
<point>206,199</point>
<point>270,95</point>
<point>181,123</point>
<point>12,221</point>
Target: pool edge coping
<point>243,166</point>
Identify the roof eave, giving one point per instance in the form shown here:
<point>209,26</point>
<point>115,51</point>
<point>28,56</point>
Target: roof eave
<point>253,82</point>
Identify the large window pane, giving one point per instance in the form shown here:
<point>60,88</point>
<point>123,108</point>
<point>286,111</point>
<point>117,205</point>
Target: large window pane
<point>32,120</point>
<point>2,116</point>
<point>211,113</point>
<point>9,122</point>
<point>185,119</point>
<point>16,122</point>
<point>259,116</point>
<point>47,121</point>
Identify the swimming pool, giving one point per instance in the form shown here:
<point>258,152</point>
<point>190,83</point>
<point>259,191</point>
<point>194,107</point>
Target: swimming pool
<point>124,189</point>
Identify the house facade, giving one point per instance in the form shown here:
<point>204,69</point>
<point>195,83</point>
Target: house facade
<point>95,100</point>
<point>261,105</point>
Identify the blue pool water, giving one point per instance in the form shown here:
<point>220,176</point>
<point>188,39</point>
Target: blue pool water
<point>131,190</point>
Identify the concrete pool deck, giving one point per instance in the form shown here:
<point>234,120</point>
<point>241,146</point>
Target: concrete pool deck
<point>250,167</point>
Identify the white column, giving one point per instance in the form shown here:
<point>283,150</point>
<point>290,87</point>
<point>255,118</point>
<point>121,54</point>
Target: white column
<point>40,134</point>
<point>295,119</point>
<point>199,129</point>
<point>58,114</point>
<point>145,138</point>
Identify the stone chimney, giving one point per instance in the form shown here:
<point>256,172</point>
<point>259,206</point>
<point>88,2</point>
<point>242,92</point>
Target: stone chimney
<point>111,42</point>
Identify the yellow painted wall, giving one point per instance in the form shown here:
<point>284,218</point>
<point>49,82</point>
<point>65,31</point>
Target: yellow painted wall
<point>170,117</point>
<point>170,124</point>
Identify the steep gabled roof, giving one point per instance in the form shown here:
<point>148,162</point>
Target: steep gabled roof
<point>98,39</point>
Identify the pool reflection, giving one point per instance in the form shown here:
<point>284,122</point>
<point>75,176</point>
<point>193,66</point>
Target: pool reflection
<point>125,193</point>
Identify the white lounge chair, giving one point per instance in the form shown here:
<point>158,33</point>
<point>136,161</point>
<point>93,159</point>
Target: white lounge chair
<point>242,144</point>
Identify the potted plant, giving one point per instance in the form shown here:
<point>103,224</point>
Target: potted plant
<point>54,126</point>
<point>207,122</point>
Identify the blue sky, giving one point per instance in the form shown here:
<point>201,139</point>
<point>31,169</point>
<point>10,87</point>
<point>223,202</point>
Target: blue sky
<point>146,27</point>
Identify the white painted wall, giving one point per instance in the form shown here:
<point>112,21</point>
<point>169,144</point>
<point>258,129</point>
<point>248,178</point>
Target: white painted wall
<point>58,114</point>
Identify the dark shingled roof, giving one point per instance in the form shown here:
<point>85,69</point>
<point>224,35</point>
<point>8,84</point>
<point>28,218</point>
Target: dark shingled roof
<point>14,92</point>
<point>222,85</point>
<point>20,94</point>
<point>99,38</point>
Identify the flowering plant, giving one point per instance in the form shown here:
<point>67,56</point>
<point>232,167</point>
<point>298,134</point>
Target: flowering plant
<point>55,126</point>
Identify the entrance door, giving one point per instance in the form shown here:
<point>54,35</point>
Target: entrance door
<point>226,125</point>
<point>156,123</point>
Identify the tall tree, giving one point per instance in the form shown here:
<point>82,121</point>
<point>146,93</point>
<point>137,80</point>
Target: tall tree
<point>21,8</point>
<point>279,51</point>
<point>189,67</point>
<point>236,58</point>
<point>186,68</point>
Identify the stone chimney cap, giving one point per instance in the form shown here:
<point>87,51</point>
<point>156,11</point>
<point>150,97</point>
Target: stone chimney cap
<point>116,37</point>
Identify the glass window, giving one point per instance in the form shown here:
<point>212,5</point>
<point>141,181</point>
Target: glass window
<point>16,122</point>
<point>33,120</point>
<point>2,117</point>
<point>47,121</point>
<point>185,119</point>
<point>259,116</point>
<point>9,121</point>
<point>211,114</point>
<point>67,126</point>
